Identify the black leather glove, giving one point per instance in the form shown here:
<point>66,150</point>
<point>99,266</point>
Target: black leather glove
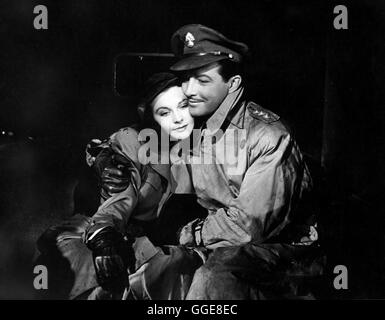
<point>113,171</point>
<point>112,255</point>
<point>116,177</point>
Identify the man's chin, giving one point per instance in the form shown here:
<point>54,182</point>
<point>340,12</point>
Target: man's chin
<point>198,111</point>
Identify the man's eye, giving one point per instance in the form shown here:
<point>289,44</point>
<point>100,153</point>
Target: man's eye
<point>203,81</point>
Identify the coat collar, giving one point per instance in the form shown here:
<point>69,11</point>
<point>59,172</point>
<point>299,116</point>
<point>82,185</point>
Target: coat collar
<point>230,110</point>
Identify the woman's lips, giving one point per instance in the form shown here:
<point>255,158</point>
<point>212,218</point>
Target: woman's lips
<point>181,129</point>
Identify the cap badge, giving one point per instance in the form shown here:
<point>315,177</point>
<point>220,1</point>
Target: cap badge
<point>189,40</point>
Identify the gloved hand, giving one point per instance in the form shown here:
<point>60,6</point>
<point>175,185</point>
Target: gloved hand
<point>116,175</point>
<point>112,169</point>
<point>111,254</point>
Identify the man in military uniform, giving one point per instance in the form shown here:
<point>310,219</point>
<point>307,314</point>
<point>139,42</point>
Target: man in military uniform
<point>252,227</point>
<point>254,232</point>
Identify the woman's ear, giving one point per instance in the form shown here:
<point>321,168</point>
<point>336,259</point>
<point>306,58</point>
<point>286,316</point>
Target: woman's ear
<point>235,83</point>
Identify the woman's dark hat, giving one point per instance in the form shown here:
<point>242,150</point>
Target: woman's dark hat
<point>154,85</point>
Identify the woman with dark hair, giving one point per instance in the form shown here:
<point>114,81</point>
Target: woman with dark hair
<point>103,250</point>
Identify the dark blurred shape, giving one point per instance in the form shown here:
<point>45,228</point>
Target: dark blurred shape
<point>131,70</point>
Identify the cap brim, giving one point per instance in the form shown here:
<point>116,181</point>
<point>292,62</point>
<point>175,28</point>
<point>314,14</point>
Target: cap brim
<point>194,62</point>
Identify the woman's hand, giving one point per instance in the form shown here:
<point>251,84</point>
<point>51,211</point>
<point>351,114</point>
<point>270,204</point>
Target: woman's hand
<point>111,259</point>
<point>116,176</point>
<point>112,169</point>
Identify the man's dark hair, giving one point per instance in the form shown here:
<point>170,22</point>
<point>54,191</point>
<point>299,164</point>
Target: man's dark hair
<point>229,69</point>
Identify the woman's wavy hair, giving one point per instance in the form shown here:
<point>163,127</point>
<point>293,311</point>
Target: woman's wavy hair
<point>155,85</point>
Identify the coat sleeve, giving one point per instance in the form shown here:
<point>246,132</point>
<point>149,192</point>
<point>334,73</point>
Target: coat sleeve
<point>116,210</point>
<point>269,191</point>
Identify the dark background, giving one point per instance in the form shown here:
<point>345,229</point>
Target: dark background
<point>57,92</point>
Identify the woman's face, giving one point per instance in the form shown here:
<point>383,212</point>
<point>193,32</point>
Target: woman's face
<point>171,112</point>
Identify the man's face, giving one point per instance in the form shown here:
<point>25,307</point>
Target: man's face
<point>205,89</point>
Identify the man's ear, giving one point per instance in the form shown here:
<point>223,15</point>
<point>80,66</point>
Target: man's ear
<point>235,83</point>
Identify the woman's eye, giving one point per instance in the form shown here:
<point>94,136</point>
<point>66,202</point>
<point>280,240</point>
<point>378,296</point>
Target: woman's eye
<point>164,114</point>
<point>203,81</point>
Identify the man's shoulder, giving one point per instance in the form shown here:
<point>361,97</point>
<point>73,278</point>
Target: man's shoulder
<point>125,141</point>
<point>130,131</point>
<point>259,113</point>
<point>259,120</point>
<point>124,135</point>
<point>264,127</point>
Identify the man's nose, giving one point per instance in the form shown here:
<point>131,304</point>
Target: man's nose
<point>189,87</point>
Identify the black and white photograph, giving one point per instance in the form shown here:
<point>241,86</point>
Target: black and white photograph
<point>204,150</point>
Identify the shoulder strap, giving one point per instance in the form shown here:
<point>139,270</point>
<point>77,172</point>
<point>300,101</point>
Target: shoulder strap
<point>262,114</point>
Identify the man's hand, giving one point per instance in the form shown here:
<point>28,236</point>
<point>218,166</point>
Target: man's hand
<point>187,234</point>
<point>110,254</point>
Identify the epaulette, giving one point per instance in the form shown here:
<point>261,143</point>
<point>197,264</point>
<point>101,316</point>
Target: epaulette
<point>257,112</point>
